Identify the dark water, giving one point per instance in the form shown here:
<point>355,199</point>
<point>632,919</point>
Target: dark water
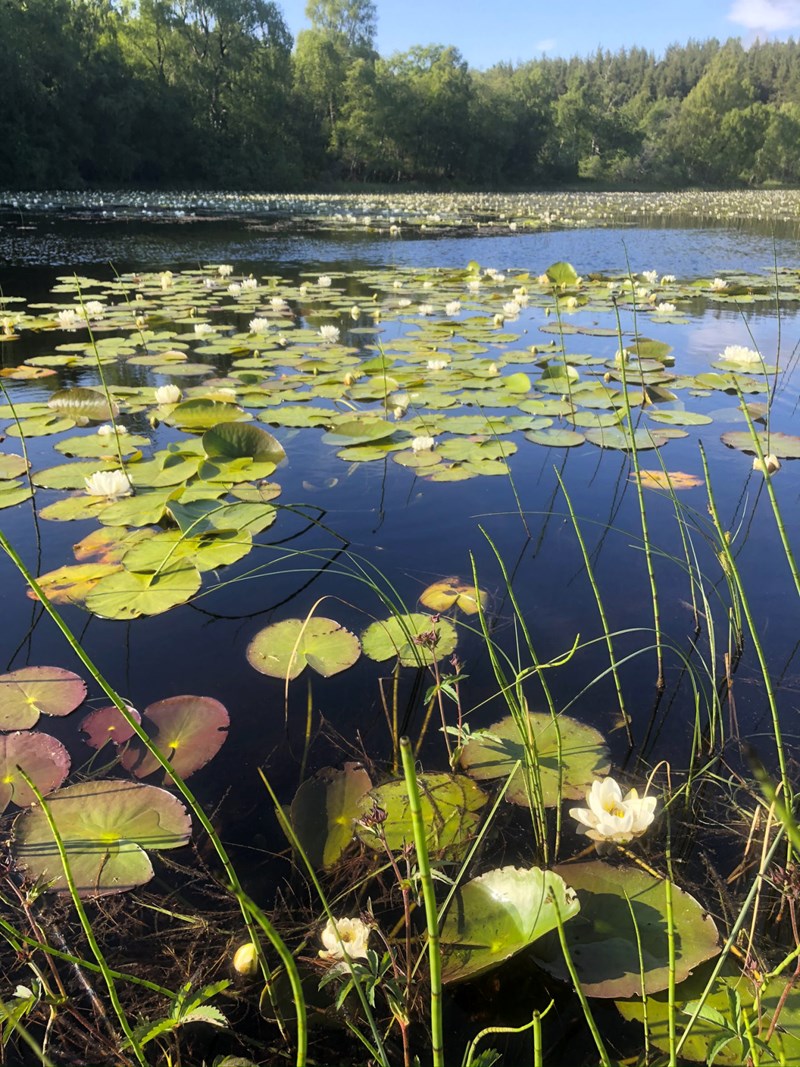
<point>407,532</point>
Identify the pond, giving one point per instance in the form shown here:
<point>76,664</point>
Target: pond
<point>377,478</point>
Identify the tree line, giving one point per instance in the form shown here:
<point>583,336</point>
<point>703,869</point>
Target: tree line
<point>216,93</point>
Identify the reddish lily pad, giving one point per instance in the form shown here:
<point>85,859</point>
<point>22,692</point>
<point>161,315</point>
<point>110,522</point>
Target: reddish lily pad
<point>190,731</point>
<point>105,827</point>
<point>27,693</point>
<point>107,724</point>
<point>43,758</point>
<point>453,593</point>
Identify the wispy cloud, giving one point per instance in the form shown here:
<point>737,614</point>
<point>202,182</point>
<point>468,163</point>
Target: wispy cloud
<point>770,16</point>
<point>547,44</point>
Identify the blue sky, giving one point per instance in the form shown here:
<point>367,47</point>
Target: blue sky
<point>512,30</point>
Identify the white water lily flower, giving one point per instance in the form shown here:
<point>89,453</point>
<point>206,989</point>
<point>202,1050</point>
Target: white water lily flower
<point>667,279</point>
<point>394,231</point>
<point>543,279</point>
<point>511,309</point>
<point>665,309</point>
<point>224,270</point>
<point>168,394</point>
<point>110,484</point>
<point>166,279</point>
<point>719,284</point>
<point>437,364</point>
<point>452,308</point>
<point>203,329</point>
<point>106,430</point>
<point>324,281</point>
<point>423,444</point>
<point>234,288</point>
<point>499,319</point>
<point>425,309</point>
<point>258,325</point>
<point>740,354</point>
<point>404,302</point>
<point>650,276</point>
<point>249,283</point>
<point>278,303</point>
<point>610,817</point>
<point>329,334</point>
<point>355,312</point>
<point>474,285</point>
<point>69,319</point>
<point>769,466</point>
<point>94,309</point>
<point>352,940</point>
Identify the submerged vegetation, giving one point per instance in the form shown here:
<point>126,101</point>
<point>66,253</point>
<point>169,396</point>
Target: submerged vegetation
<point>525,861</point>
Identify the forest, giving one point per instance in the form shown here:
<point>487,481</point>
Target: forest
<point>217,94</point>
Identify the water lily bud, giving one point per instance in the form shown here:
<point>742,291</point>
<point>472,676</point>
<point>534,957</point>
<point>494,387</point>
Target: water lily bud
<point>245,959</point>
<point>769,466</point>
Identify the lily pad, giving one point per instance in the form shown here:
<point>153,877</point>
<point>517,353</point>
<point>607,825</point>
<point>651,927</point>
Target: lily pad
<point>662,479</point>
<point>495,916</point>
<point>450,804</point>
<point>415,639</point>
<point>325,809</point>
<point>128,594</point>
<point>573,752</point>
<point>602,940</point>
<point>81,403</point>
<point>107,724</point>
<point>72,584</point>
<point>12,466</point>
<point>105,827</point>
<point>782,445</point>
<point>43,758</point>
<point>285,649</point>
<point>190,730</point>
<point>29,692</point>
<point>716,1027</point>
<point>453,593</point>
<point>233,440</point>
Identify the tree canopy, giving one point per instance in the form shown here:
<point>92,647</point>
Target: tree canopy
<point>215,93</point>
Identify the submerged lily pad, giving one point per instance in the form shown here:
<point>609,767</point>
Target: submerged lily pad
<point>325,809</point>
<point>415,639</point>
<point>105,827</point>
<point>43,758</point>
<point>604,943</point>
<point>30,691</point>
<point>495,916</point>
<point>190,731</point>
<point>782,445</point>
<point>450,804</point>
<point>568,754</point>
<point>285,649</point>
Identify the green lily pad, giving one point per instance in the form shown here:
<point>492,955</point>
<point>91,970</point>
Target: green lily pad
<point>325,809</point>
<point>96,446</point>
<point>680,418</point>
<point>29,692</point>
<point>12,466</point>
<point>495,916</point>
<point>602,940</point>
<point>716,1027</point>
<point>450,804</point>
<point>782,445</point>
<point>81,403</point>
<point>233,440</point>
<point>407,637</point>
<point>555,438</point>
<point>205,516</point>
<point>619,438</point>
<point>201,414</point>
<point>43,758</point>
<point>13,493</point>
<point>562,273</point>
<point>453,593</point>
<point>207,553</point>
<point>190,731</point>
<point>350,430</point>
<point>105,827</point>
<point>71,475</point>
<point>41,426</point>
<point>285,649</point>
<point>129,594</point>
<point>574,753</point>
